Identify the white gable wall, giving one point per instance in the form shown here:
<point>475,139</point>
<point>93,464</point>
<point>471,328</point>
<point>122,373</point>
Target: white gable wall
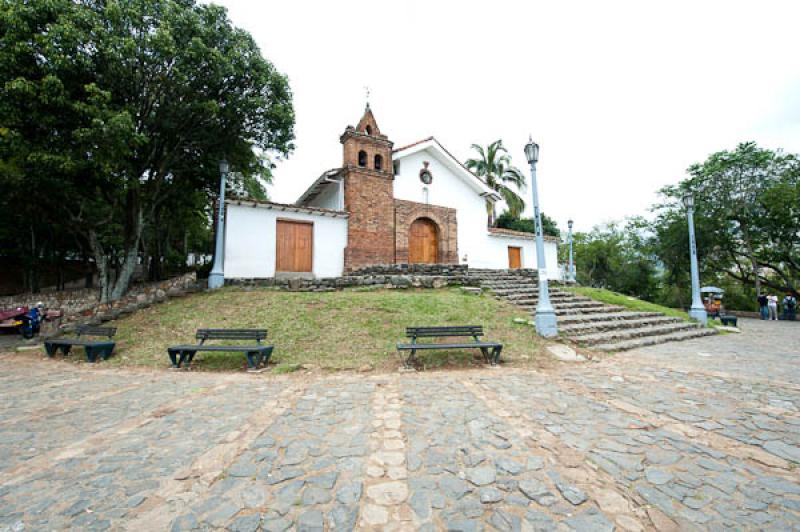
<point>449,190</point>
<point>446,190</point>
<point>250,242</point>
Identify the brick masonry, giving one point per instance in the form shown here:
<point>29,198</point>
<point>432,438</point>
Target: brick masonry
<point>406,212</point>
<point>368,195</point>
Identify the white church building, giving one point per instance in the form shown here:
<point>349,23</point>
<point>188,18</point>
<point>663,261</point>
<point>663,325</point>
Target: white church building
<point>415,204</point>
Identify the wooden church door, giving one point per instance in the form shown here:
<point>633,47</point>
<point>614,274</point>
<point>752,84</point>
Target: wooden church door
<point>423,242</point>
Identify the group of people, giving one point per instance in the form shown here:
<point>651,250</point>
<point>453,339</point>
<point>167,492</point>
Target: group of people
<point>768,305</point>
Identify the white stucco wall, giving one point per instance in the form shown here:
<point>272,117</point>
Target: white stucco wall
<point>496,254</point>
<point>449,190</point>
<point>250,242</point>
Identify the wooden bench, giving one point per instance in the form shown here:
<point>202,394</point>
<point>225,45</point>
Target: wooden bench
<point>93,348</point>
<point>256,354</point>
<point>490,350</point>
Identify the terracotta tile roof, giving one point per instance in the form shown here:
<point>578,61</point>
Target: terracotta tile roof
<point>286,207</point>
<point>501,231</point>
<point>411,145</point>
<point>314,188</point>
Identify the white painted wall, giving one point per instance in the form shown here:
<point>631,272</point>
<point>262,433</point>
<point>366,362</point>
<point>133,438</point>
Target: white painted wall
<point>449,190</point>
<point>250,242</point>
<point>496,254</point>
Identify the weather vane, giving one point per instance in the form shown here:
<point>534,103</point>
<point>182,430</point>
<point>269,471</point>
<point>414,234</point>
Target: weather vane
<point>366,89</point>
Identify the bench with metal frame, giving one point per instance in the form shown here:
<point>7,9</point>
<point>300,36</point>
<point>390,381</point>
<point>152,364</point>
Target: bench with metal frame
<point>491,350</point>
<point>93,348</point>
<point>182,355</point>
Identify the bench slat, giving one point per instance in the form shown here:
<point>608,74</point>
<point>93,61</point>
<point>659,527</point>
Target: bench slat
<point>231,334</point>
<point>242,348</point>
<point>408,347</point>
<point>444,334</point>
<point>445,328</point>
<point>433,332</point>
<point>88,330</point>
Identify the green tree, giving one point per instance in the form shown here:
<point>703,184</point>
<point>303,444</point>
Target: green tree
<point>494,165</point>
<point>618,258</point>
<point>133,103</point>
<point>507,221</point>
<point>746,216</point>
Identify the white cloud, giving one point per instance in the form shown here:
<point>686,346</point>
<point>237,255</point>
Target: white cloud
<point>621,96</point>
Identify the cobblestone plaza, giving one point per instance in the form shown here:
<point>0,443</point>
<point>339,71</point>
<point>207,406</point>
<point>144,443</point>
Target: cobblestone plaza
<point>702,434</point>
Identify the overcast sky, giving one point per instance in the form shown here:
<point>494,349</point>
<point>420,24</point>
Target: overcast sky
<point>621,96</point>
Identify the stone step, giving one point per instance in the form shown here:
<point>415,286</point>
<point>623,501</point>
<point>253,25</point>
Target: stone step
<point>688,334</point>
<point>607,325</point>
<point>600,309</point>
<point>578,311</point>
<point>527,300</point>
<point>512,290</point>
<point>512,283</point>
<point>619,335</point>
<point>600,317</point>
<point>578,304</point>
<point>528,294</point>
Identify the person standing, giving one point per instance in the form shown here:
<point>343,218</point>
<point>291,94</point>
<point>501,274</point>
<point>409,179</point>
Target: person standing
<point>762,306</point>
<point>772,304</point>
<point>789,307</point>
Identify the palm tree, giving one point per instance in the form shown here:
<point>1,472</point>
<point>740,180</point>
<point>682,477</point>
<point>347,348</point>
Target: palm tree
<point>494,165</point>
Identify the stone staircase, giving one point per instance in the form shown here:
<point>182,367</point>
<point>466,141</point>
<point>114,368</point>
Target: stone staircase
<point>587,322</point>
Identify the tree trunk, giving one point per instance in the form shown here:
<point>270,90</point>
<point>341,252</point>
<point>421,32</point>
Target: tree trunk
<point>34,264</point>
<point>101,262</point>
<point>131,258</point>
<point>753,263</point>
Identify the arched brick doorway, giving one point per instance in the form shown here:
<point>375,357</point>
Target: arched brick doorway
<point>423,242</point>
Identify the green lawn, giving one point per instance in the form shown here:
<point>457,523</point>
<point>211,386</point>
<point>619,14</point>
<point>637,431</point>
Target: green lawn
<point>330,330</point>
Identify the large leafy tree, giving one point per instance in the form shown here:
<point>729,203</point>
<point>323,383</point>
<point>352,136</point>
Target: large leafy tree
<point>747,215</point>
<point>618,257</point>
<point>118,111</point>
<point>494,165</point>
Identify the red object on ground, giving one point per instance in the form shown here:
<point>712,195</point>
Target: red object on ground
<point>13,313</point>
<point>10,316</point>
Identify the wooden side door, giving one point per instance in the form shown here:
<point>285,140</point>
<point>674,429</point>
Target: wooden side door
<point>514,257</point>
<point>294,246</point>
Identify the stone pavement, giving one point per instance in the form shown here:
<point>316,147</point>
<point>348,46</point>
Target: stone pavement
<point>703,434</point>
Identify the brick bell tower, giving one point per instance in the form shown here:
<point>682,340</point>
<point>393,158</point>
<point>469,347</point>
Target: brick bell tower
<point>368,194</point>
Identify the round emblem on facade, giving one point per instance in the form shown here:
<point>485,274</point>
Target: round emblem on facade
<point>425,175</point>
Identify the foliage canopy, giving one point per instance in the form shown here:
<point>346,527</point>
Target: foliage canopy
<point>115,115</point>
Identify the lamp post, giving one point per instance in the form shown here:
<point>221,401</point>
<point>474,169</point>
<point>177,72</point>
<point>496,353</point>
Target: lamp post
<point>217,276</point>
<point>545,314</point>
<point>571,270</point>
<point>697,312</point>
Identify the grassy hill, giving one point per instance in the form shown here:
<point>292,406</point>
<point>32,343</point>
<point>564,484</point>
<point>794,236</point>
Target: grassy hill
<point>330,330</point>
<point>614,298</point>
